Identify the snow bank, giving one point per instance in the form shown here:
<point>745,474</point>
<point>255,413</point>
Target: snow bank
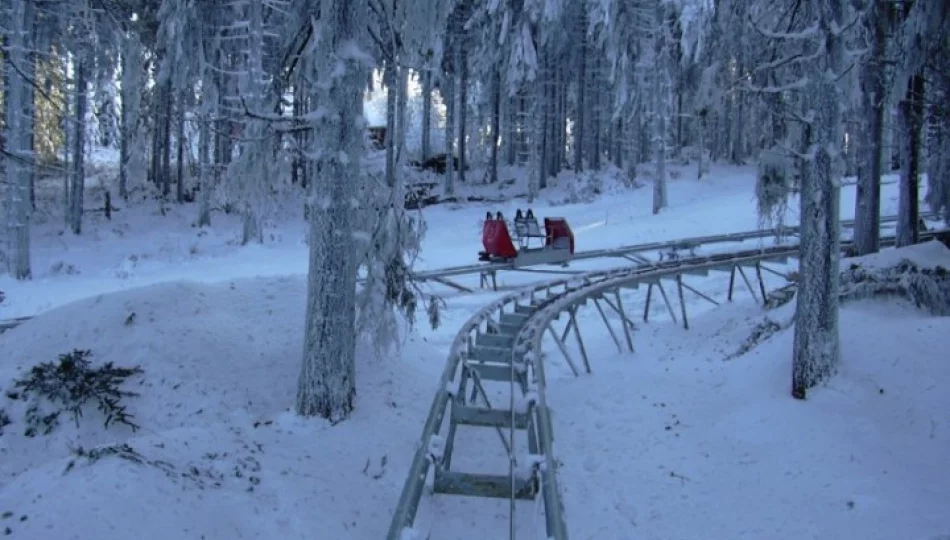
<point>217,455</point>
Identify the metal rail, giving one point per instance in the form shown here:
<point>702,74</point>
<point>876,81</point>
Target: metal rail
<point>525,357</point>
<point>440,274</point>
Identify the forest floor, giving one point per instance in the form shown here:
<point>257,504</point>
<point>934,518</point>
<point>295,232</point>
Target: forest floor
<point>671,442</point>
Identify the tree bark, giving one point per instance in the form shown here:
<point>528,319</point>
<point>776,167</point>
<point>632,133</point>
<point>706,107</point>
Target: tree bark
<point>911,116</point>
<point>327,383</point>
<point>581,103</point>
<point>426,113</point>
<point>448,97</point>
<point>462,109</point>
<point>79,147</point>
<point>867,210</point>
<point>20,67</point>
<point>495,124</point>
<point>816,349</point>
<point>180,144</point>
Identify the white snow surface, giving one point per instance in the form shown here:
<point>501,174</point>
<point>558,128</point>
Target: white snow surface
<point>670,442</point>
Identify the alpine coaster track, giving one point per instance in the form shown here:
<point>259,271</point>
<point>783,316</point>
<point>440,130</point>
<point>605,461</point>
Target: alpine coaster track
<point>499,350</point>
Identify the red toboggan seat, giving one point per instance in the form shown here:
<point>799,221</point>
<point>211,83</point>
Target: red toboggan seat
<point>496,240</point>
<point>559,234</point>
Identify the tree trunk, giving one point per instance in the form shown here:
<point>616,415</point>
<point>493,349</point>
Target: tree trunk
<point>660,99</point>
<point>462,109</point>
<point>816,349</point>
<point>524,152</point>
<point>495,125</point>
<point>426,113</point>
<point>166,162</point>
<point>911,116</point>
<point>511,130</point>
<point>402,108</point>
<point>938,160</point>
<point>67,126</point>
<point>129,109</point>
<point>79,146</point>
<point>448,96</point>
<point>390,140</point>
<point>209,100</point>
<point>180,158</point>
<point>20,68</point>
<point>581,104</point>
<point>256,171</point>
<point>327,384</point>
<point>867,204</point>
<point>701,142</point>
<point>596,129</point>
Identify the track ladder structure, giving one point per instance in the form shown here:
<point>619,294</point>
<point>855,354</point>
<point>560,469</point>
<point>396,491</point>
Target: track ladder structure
<point>493,385</point>
<point>493,366</point>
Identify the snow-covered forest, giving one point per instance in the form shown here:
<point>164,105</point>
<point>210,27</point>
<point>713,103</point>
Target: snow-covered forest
<point>242,100</point>
<point>381,128</point>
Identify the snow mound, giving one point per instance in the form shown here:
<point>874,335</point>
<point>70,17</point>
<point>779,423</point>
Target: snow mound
<point>917,273</point>
<point>217,455</point>
<point>925,255</point>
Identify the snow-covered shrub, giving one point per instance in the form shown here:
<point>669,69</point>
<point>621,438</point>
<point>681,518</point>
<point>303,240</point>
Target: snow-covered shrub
<point>772,187</point>
<point>927,288</point>
<point>69,386</point>
<point>390,238</point>
<point>585,187</point>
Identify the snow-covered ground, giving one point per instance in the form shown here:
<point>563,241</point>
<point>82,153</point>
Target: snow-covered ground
<point>671,442</point>
<point>683,441</point>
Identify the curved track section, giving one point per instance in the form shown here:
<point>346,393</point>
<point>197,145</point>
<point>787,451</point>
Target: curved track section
<point>498,351</point>
<point>635,252</point>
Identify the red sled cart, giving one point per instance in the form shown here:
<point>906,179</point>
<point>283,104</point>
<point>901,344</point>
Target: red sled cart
<point>553,245</point>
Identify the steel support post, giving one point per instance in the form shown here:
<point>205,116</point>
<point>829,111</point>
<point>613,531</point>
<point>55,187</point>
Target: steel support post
<point>701,295</point>
<point>773,271</point>
<point>679,289</point>
<point>454,285</point>
<point>610,328</point>
<point>646,308</point>
<point>564,351</point>
<point>666,300</point>
<point>758,274</point>
<point>628,325</point>
<point>577,334</point>
<point>748,284</point>
<point>732,282</point>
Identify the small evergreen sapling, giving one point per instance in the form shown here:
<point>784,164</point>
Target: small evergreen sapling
<point>67,386</point>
